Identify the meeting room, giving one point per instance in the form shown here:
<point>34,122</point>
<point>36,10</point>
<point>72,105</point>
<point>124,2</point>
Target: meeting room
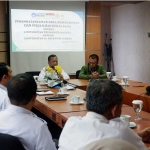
<point>74,75</point>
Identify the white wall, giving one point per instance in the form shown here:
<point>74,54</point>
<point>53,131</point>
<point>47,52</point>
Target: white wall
<point>131,45</point>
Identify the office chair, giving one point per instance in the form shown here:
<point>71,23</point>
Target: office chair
<point>9,142</point>
<point>33,73</point>
<point>77,74</point>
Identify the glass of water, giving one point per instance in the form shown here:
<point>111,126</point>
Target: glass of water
<point>137,106</point>
<point>125,80</point>
<point>108,75</point>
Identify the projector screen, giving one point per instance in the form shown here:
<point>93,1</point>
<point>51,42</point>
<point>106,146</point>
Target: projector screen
<point>39,29</point>
<point>44,30</point>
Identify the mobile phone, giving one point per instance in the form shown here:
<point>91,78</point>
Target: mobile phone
<point>41,90</point>
<point>55,98</point>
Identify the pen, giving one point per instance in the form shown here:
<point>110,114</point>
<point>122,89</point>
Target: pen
<point>138,85</point>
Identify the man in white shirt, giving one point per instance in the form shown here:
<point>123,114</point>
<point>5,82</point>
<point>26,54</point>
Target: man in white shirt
<point>17,120</point>
<point>110,144</point>
<point>53,63</point>
<point>104,102</point>
<point>5,75</point>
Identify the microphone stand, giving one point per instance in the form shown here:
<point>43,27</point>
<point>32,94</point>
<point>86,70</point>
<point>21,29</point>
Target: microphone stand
<point>108,54</point>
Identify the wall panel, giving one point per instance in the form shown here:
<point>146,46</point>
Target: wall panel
<point>3,57</point>
<point>3,47</point>
<point>3,33</point>
<point>93,30</point>
<point>3,37</point>
<point>93,8</point>
<point>93,24</point>
<point>93,42</point>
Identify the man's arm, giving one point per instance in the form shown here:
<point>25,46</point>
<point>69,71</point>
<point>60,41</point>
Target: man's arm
<point>84,73</point>
<point>42,73</point>
<point>130,136</point>
<point>102,72</point>
<point>145,134</point>
<point>4,102</point>
<point>65,75</point>
<point>44,140</point>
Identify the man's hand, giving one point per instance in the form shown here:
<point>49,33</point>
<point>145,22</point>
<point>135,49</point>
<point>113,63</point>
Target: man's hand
<point>95,75</point>
<point>61,77</point>
<point>144,134</point>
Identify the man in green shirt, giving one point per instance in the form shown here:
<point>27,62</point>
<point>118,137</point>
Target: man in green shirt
<point>92,70</point>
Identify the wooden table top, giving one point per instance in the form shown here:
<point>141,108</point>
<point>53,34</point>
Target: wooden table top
<point>134,87</point>
<point>126,110</point>
<point>130,93</point>
<point>81,113</point>
<point>63,105</point>
<point>79,82</point>
<point>135,90</point>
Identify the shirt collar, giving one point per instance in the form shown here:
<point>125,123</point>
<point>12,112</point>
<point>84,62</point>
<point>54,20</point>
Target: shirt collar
<point>17,109</point>
<point>3,87</point>
<point>94,115</point>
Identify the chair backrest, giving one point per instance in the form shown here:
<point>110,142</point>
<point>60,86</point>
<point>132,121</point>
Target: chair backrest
<point>77,74</point>
<point>9,142</point>
<point>33,73</point>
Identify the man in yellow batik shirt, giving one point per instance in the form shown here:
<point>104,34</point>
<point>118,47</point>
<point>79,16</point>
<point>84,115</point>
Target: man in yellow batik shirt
<point>54,69</point>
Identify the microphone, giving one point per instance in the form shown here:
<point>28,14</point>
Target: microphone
<point>65,82</point>
<point>148,90</point>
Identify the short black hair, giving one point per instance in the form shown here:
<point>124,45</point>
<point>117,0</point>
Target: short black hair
<point>50,56</point>
<point>21,88</point>
<point>103,94</point>
<point>3,70</point>
<point>94,56</point>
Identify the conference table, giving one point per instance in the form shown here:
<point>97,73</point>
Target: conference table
<point>52,108</point>
<point>135,90</point>
<point>60,111</point>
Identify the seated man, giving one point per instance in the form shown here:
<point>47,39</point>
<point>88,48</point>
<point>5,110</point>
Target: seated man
<point>92,70</point>
<point>5,75</point>
<point>17,120</point>
<point>53,66</point>
<point>110,144</point>
<point>104,102</point>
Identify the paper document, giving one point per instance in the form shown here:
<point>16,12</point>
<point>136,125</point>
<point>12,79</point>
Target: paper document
<point>44,92</point>
<point>70,87</point>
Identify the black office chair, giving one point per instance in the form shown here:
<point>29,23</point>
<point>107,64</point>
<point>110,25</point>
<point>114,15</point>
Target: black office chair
<point>9,142</point>
<point>77,74</point>
<point>33,73</point>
